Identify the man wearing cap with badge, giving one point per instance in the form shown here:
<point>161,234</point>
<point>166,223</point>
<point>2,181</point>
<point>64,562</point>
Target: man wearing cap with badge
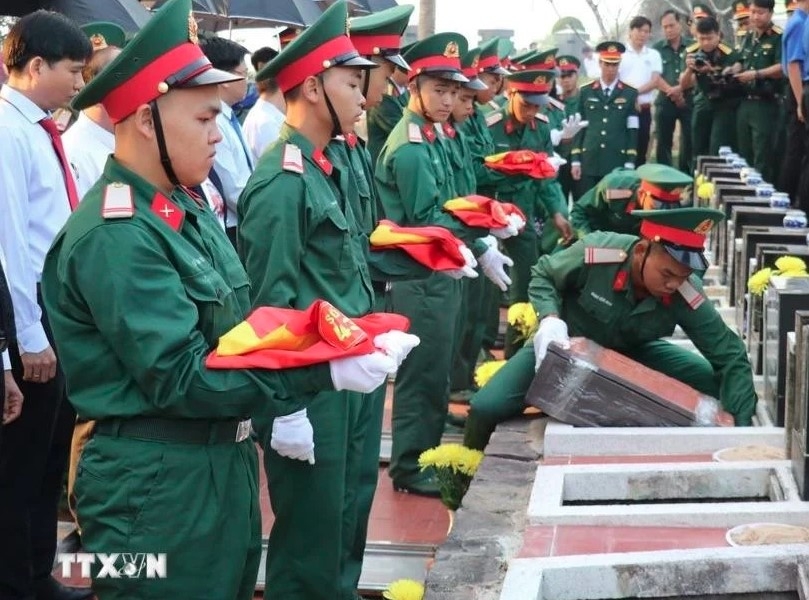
<point>140,285</point>
<point>699,11</point>
<point>741,22</point>
<point>415,179</point>
<point>708,62</point>
<point>317,251</point>
<point>672,104</point>
<point>608,206</point>
<point>626,293</point>
<point>569,85</point>
<point>610,106</point>
<point>520,125</point>
<point>757,119</point>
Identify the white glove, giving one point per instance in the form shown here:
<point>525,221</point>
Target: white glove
<point>551,329</point>
<point>556,136</point>
<point>492,262</point>
<point>515,224</point>
<point>556,161</point>
<point>629,165</point>
<point>468,270</point>
<point>575,124</point>
<point>293,437</point>
<point>396,344</point>
<point>362,373</point>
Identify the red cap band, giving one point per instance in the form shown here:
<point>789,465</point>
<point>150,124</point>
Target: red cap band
<point>657,233</point>
<point>547,65</point>
<point>142,88</point>
<point>567,67</point>
<point>370,45</point>
<point>530,88</point>
<point>313,63</point>
<point>435,63</point>
<point>659,193</point>
<point>488,63</point>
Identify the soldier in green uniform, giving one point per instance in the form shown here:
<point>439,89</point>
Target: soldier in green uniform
<point>317,250</point>
<point>610,107</point>
<point>741,23</point>
<point>520,126</point>
<point>626,293</point>
<point>673,104</point>
<point>415,179</point>
<point>569,84</point>
<point>762,77</point>
<point>140,284</point>
<point>708,66</point>
<point>698,12</point>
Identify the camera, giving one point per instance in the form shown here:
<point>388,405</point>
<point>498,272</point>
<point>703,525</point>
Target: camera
<point>700,59</point>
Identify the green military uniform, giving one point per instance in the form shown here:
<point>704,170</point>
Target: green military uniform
<point>415,178</point>
<point>594,297</point>
<point>139,286</point>
<point>611,139</point>
<point>568,64</point>
<point>713,121</point>
<point>606,207</point>
<point>540,200</point>
<point>317,251</point>
<point>366,205</point>
<point>382,119</point>
<point>667,113</point>
<point>757,117</point>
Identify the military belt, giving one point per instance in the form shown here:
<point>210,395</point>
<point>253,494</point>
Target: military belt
<point>381,287</point>
<point>183,431</point>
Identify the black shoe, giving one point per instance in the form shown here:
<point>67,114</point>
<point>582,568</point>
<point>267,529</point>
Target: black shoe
<point>454,423</point>
<point>50,589</point>
<point>70,544</point>
<point>426,486</point>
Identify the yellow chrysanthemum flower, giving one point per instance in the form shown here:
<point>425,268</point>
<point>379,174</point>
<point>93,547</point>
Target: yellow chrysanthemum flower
<point>759,281</point>
<point>705,190</point>
<point>790,265</point>
<point>522,317</point>
<point>486,371</point>
<point>404,589</point>
<point>454,457</point>
<point>700,180</point>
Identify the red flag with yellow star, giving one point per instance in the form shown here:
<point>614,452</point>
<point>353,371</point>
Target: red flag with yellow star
<point>521,162</point>
<point>280,338</point>
<point>477,211</point>
<point>434,247</point>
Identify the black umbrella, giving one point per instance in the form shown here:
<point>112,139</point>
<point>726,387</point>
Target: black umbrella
<point>129,14</point>
<point>372,6</point>
<point>215,15</point>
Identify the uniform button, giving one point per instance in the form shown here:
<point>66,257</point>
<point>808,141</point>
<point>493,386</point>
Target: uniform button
<point>603,145</point>
<point>603,132</point>
<point>604,119</point>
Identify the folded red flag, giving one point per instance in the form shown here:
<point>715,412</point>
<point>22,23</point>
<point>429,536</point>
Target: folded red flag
<point>513,209</point>
<point>477,211</point>
<point>280,338</point>
<point>521,162</point>
<point>434,247</point>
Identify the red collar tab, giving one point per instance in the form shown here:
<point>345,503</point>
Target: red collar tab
<point>510,127</point>
<point>630,206</point>
<point>449,130</point>
<point>620,281</point>
<point>429,132</point>
<point>666,300</point>
<point>314,62</point>
<point>663,233</point>
<point>322,162</point>
<point>351,139</point>
<point>660,193</point>
<point>168,212</point>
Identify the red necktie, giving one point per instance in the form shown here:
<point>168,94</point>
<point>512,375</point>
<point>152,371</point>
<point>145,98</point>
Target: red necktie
<point>49,125</point>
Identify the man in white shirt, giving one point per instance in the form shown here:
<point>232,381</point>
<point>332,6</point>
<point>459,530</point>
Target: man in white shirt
<point>263,123</point>
<point>233,163</point>
<point>90,140</point>
<point>592,68</point>
<point>44,55</point>
<point>641,67</point>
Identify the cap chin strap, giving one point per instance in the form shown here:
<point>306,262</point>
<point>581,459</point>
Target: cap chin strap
<point>643,265</point>
<point>161,144</point>
<point>335,120</point>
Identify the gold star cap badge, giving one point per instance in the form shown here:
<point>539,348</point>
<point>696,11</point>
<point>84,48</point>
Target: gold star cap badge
<point>98,41</point>
<point>451,51</point>
<point>704,227</point>
<point>193,29</point>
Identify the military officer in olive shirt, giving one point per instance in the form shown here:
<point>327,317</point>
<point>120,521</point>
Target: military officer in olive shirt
<point>758,115</point>
<point>626,293</point>
<point>610,107</point>
<point>673,104</point>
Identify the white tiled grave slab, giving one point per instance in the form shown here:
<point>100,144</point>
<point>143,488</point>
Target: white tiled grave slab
<point>667,495</point>
<point>566,440</point>
<point>754,573</point>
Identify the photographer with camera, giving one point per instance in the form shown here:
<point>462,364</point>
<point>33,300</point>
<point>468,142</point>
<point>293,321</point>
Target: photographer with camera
<point>762,78</point>
<point>710,66</point>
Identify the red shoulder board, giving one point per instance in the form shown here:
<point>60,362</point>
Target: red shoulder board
<point>168,212</point>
